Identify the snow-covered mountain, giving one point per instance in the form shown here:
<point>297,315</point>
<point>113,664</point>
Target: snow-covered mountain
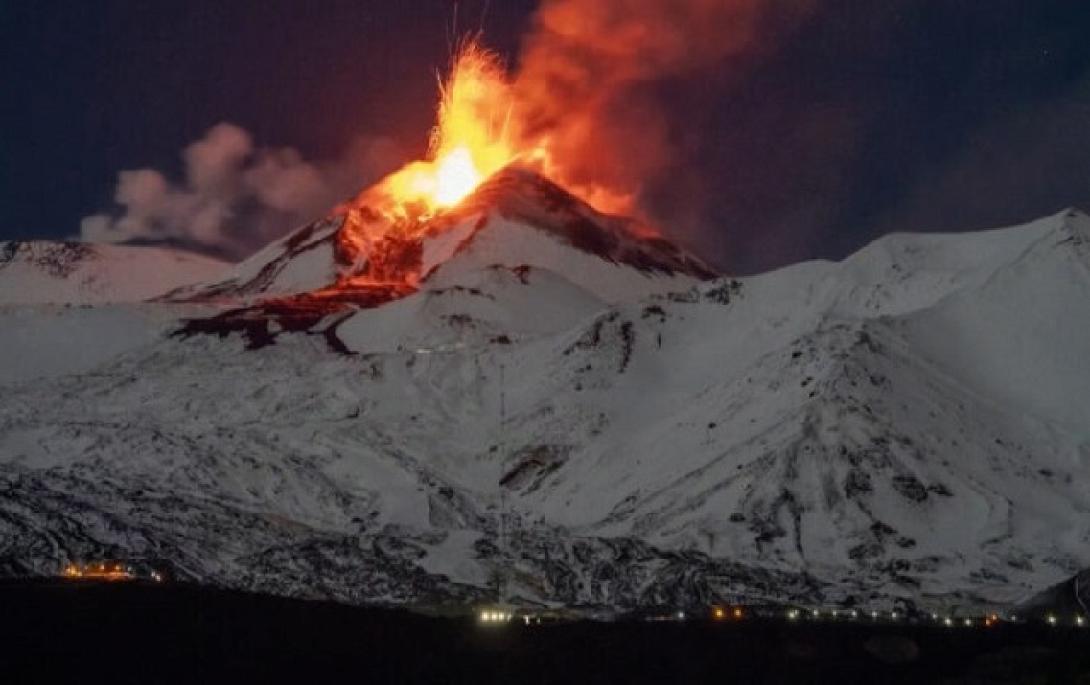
<point>47,271</point>
<point>545,401</point>
<point>47,288</point>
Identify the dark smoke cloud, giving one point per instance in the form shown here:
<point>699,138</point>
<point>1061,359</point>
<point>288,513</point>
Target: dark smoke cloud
<point>235,197</point>
<point>588,69</point>
<point>759,133</point>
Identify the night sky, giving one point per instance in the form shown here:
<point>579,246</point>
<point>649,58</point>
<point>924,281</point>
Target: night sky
<point>869,117</point>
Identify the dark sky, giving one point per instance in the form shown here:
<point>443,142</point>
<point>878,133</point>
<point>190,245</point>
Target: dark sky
<point>872,117</point>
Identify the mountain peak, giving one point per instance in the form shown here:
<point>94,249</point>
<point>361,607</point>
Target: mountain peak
<point>520,194</point>
<point>517,217</point>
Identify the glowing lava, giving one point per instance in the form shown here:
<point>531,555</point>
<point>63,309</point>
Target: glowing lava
<point>471,141</point>
<point>480,130</point>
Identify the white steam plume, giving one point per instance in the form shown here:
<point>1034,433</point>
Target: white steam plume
<point>235,197</point>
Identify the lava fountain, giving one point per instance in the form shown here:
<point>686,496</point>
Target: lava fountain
<point>475,136</point>
<point>479,130</point>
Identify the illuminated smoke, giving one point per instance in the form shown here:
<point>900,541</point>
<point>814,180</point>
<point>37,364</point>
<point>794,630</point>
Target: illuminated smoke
<point>235,197</point>
<point>581,104</point>
<point>585,71</point>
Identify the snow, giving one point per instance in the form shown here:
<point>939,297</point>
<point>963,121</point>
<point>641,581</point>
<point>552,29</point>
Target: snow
<point>482,305</point>
<point>515,243</point>
<point>909,424</point>
<point>301,262</point>
<point>53,340</point>
<point>42,272</point>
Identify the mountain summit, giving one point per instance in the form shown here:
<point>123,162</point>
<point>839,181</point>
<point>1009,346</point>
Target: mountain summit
<point>516,218</point>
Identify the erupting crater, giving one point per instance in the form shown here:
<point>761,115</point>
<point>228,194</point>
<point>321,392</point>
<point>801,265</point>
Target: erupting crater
<point>486,188</point>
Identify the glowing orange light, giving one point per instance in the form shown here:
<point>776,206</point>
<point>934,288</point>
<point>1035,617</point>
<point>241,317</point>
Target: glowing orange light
<point>97,571</point>
<point>471,141</point>
<point>738,612</point>
<point>483,124</point>
<point>719,613</point>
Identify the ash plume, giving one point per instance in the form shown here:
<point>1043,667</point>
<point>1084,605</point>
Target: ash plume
<point>235,197</point>
<point>588,76</point>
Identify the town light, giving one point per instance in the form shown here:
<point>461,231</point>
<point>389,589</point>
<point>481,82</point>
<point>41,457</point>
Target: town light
<point>1051,620</point>
<point>495,616</point>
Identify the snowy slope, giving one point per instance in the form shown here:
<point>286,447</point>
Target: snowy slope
<point>906,426</point>
<point>305,260</point>
<point>53,340</point>
<point>43,271</point>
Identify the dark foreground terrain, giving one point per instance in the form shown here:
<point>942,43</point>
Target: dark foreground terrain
<point>124,633</point>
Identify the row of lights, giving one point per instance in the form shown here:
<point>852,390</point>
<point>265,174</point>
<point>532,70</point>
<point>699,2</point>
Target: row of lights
<point>491,617</point>
<point>1053,620</point>
<point>719,613</point>
<point>851,614</point>
<point>104,571</point>
<point>494,617</point>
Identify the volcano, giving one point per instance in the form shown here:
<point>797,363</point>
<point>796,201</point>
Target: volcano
<point>517,217</point>
<point>517,220</point>
<point>905,428</point>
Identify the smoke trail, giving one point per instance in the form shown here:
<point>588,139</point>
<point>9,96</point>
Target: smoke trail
<point>235,197</point>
